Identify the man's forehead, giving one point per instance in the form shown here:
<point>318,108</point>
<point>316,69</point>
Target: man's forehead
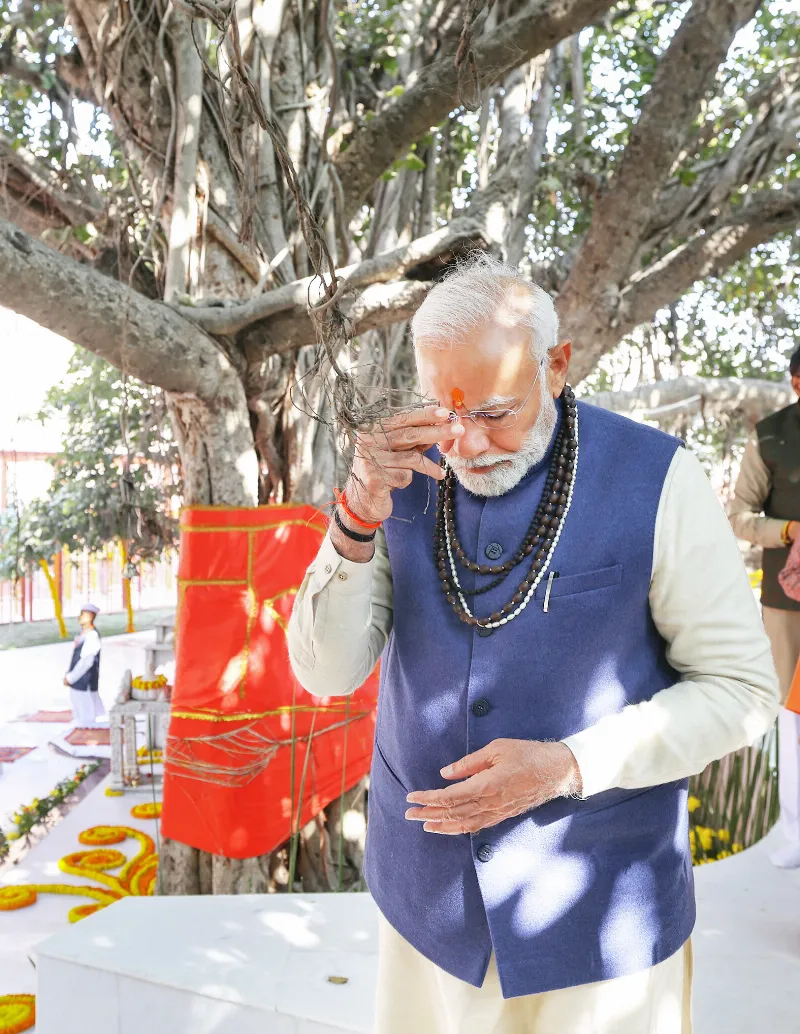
<point>476,371</point>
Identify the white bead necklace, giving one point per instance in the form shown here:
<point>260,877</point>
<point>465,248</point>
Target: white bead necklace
<point>545,565</point>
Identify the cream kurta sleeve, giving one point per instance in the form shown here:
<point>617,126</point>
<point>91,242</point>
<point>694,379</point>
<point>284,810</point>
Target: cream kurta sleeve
<point>751,493</point>
<point>341,620</point>
<point>703,606</point>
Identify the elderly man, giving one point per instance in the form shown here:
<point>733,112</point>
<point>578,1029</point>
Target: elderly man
<point>567,632</point>
<point>766,512</point>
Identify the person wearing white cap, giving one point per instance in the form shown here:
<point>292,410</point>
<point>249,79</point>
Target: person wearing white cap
<point>83,676</point>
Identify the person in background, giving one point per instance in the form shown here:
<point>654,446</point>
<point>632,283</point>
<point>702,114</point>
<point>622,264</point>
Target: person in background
<point>83,676</point>
<point>766,512</point>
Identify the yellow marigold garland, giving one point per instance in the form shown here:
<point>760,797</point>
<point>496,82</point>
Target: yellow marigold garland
<point>12,898</point>
<point>102,836</point>
<point>17,1013</point>
<point>150,810</point>
<point>99,860</point>
<point>140,682</point>
<point>136,877</point>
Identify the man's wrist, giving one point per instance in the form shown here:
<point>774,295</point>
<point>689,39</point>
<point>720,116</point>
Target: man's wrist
<point>347,548</point>
<point>573,780</point>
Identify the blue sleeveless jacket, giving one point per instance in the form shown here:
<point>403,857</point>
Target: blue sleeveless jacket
<point>575,891</point>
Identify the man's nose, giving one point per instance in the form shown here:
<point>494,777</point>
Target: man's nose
<point>473,442</point>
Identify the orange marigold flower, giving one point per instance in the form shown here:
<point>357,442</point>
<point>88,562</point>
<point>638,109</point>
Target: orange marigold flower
<point>12,898</point>
<point>17,1013</point>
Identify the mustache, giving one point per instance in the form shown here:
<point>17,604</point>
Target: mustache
<point>457,462</point>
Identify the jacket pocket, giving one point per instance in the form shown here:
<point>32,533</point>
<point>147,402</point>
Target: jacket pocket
<point>379,756</point>
<point>572,584</point>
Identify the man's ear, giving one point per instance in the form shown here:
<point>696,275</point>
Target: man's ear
<point>559,364</point>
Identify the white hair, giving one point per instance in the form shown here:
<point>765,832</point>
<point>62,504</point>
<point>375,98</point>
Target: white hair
<point>480,289</point>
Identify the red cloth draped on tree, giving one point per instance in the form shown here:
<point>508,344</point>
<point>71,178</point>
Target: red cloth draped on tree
<point>246,742</point>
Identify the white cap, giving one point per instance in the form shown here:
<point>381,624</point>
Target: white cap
<point>91,608</point>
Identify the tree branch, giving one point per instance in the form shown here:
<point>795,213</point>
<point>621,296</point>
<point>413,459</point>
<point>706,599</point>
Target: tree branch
<point>34,193</point>
<point>69,70</point>
<point>666,401</point>
<point>769,212</point>
<point>147,339</point>
<point>378,306</point>
<point>621,215</point>
<point>297,295</point>
<point>537,27</point>
<point>188,108</point>
<point>771,134</point>
<point>707,254</point>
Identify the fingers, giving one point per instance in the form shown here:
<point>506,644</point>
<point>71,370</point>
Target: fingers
<point>466,818</point>
<point>416,417</point>
<point>470,790</point>
<point>423,437</point>
<point>413,461</point>
<point>470,765</point>
<point>381,463</point>
<point>405,438</point>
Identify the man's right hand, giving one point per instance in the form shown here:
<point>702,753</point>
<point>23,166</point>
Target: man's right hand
<point>385,459</point>
<point>794,531</point>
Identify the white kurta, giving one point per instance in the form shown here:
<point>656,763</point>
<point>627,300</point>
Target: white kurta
<point>87,706</point>
<point>414,995</point>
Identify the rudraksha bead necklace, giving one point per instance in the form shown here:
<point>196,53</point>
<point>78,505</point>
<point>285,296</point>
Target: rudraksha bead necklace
<point>540,539</point>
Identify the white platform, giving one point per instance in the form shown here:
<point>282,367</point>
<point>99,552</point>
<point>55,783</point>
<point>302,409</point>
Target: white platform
<point>260,964</point>
<point>254,964</point>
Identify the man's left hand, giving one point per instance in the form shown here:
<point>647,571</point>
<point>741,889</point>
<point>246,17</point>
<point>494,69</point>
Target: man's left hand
<point>503,779</point>
<point>67,681</point>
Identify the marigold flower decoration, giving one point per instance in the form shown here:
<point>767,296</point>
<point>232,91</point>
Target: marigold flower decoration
<point>17,1013</point>
<point>159,682</point>
<point>136,877</point>
<point>150,810</point>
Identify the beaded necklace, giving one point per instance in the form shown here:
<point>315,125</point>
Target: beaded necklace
<point>540,539</point>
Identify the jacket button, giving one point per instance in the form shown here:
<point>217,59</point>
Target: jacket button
<point>485,852</point>
<point>481,707</point>
<point>494,551</point>
<point>482,630</point>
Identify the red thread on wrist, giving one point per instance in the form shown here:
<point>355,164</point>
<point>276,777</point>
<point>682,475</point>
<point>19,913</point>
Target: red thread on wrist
<point>341,499</point>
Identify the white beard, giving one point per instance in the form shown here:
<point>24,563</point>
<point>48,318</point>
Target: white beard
<point>516,465</point>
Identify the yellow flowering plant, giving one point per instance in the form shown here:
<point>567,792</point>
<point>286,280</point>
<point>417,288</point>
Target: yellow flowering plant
<point>733,803</point>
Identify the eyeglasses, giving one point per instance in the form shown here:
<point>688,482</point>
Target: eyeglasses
<point>493,419</point>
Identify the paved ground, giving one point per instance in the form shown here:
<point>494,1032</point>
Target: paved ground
<point>32,680</point>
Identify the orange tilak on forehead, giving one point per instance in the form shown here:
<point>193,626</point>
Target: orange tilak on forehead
<point>458,398</point>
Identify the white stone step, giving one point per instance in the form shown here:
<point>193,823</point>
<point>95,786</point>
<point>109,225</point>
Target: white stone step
<point>261,964</point>
<point>253,964</point>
